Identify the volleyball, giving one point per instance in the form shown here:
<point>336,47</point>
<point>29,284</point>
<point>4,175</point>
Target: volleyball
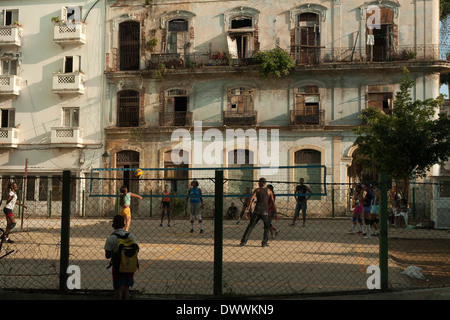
<point>138,173</point>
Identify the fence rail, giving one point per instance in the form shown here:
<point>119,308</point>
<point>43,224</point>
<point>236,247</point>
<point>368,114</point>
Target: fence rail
<point>63,227</point>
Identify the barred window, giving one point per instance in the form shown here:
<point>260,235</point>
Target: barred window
<point>128,108</point>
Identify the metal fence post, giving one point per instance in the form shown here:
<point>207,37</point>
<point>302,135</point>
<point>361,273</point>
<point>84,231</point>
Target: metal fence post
<point>332,202</point>
<point>383,250</point>
<point>218,232</point>
<point>65,231</point>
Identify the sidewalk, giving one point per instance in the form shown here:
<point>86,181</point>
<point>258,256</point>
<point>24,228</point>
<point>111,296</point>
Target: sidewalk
<point>419,294</point>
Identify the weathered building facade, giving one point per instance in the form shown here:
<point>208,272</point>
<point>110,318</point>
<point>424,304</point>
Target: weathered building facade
<point>172,64</point>
<point>133,77</point>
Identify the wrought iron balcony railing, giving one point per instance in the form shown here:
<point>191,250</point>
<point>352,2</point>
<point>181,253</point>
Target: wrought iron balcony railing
<point>175,119</point>
<point>231,118</point>
<point>311,119</point>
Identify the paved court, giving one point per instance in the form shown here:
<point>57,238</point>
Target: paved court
<point>321,257</point>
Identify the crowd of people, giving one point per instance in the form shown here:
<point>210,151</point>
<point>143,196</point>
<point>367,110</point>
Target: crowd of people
<point>366,207</point>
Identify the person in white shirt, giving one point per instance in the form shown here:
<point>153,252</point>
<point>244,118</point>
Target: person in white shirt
<point>8,210</point>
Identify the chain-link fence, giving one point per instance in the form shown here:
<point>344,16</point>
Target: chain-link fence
<point>316,254</point>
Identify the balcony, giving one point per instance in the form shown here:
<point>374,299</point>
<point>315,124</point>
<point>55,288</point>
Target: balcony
<point>195,60</point>
<point>11,36</point>
<point>308,120</point>
<point>68,83</point>
<point>310,55</point>
<point>248,118</point>
<point>9,137</point>
<point>70,137</point>
<point>175,119</point>
<point>64,34</point>
<point>9,85</point>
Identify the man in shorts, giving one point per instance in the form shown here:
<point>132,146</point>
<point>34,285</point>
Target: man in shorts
<point>196,204</point>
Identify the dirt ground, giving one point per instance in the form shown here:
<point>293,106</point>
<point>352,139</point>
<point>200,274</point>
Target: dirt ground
<point>432,255</point>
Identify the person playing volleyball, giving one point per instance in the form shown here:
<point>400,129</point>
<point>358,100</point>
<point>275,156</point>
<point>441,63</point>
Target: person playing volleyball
<point>196,204</point>
<point>301,201</point>
<point>125,202</point>
<point>8,210</point>
<point>264,197</point>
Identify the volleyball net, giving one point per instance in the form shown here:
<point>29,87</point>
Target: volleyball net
<point>238,183</point>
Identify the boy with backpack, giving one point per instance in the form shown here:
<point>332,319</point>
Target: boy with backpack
<point>121,247</point>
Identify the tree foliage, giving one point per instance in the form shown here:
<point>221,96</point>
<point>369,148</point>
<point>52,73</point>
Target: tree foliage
<point>274,62</point>
<point>444,9</point>
<point>408,142</point>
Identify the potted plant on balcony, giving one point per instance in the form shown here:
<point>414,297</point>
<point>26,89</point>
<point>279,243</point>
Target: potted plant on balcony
<point>56,20</point>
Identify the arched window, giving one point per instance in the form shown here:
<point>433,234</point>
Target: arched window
<point>177,180</point>
<point>240,179</point>
<point>128,159</point>
<point>307,38</point>
<point>129,45</point>
<point>128,108</point>
<point>310,173</point>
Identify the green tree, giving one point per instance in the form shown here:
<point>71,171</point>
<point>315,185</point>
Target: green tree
<point>409,141</point>
<point>274,62</point>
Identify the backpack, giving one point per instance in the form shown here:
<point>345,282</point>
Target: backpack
<point>125,259</point>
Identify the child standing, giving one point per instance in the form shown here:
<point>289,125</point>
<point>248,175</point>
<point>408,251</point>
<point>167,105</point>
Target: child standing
<point>125,202</point>
<point>357,209</point>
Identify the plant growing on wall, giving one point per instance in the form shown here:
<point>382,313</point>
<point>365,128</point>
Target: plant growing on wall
<point>152,43</point>
<point>274,62</point>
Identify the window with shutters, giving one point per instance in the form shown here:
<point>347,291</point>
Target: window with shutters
<point>176,108</point>
<point>241,26</point>
<point>178,36</point>
<point>381,42</point>
<point>7,118</point>
<point>307,109</point>
<point>71,13</point>
<point>380,97</point>
<point>71,117</point>
<point>8,67</point>
<point>307,38</point>
<point>9,17</point>
<point>240,39</point>
<point>129,45</point>
<point>240,108</point>
<point>71,64</point>
<point>128,108</point>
